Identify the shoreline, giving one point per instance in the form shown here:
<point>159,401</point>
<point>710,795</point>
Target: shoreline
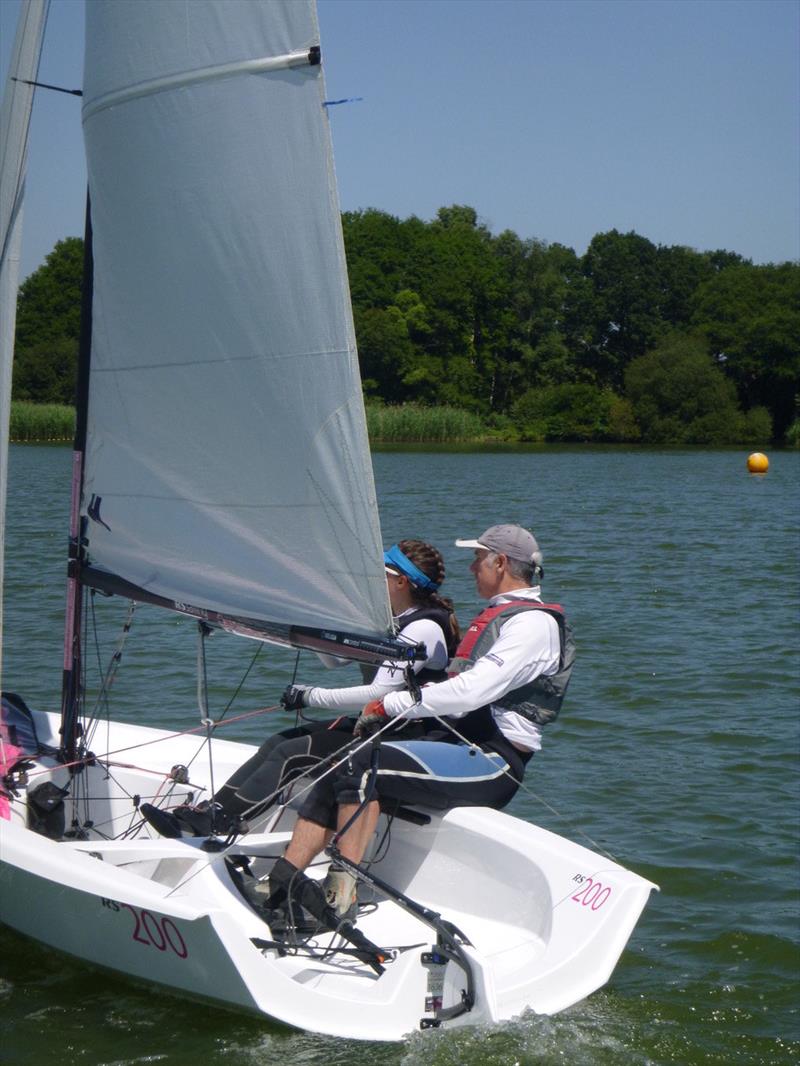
<point>407,425</point>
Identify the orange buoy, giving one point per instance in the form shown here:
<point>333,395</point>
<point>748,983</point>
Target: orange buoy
<point>757,463</point>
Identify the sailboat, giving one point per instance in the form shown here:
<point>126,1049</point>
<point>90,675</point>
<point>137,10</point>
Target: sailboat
<point>221,471</point>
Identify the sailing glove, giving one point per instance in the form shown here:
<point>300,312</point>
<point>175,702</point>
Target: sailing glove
<point>292,698</point>
<point>371,719</point>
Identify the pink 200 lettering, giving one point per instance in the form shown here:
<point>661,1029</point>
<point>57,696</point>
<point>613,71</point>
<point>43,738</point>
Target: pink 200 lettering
<point>592,894</point>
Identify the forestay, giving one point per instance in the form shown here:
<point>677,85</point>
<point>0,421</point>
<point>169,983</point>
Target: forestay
<point>227,461</point>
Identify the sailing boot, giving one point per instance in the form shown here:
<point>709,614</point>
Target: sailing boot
<point>209,817</point>
<point>302,890</point>
<point>270,898</point>
<point>269,895</point>
<point>291,890</point>
<point>164,822</point>
<point>339,887</point>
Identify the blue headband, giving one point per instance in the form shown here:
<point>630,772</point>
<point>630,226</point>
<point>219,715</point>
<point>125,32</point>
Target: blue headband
<point>394,557</point>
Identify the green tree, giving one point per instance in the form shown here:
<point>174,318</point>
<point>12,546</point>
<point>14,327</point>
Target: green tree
<point>569,412</point>
<point>548,297</point>
<point>45,372</point>
<point>434,290</point>
<point>375,244</point>
<point>627,302</point>
<point>640,292</point>
<point>453,268</point>
<point>48,327</point>
<point>681,270</point>
<point>679,395</point>
<point>384,352</point>
<point>751,318</point>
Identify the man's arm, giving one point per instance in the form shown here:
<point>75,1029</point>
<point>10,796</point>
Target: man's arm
<point>528,645</point>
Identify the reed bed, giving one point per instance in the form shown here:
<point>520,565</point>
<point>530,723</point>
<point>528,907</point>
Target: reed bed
<point>413,422</point>
<point>41,421</point>
<point>407,422</point>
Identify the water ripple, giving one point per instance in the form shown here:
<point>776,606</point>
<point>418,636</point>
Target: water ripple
<point>676,752</point>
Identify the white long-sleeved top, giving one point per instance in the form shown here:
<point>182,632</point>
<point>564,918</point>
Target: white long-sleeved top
<point>528,646</point>
<point>389,677</point>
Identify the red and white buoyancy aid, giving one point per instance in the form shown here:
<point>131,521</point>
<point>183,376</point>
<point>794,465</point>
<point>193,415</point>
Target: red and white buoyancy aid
<point>539,700</point>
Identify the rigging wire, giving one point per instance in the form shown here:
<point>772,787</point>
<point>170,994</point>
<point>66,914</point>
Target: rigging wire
<point>238,689</point>
<point>102,704</point>
<point>158,740</point>
<point>81,798</point>
<point>574,827</point>
<point>102,699</point>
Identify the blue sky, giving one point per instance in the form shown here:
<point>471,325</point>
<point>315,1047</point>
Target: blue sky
<point>558,119</point>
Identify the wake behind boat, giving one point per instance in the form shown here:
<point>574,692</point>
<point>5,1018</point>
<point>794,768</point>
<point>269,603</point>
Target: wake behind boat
<point>222,471</point>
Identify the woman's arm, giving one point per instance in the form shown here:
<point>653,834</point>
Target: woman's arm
<point>390,675</point>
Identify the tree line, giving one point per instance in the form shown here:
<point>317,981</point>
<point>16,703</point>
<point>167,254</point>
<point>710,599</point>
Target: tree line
<point>631,341</point>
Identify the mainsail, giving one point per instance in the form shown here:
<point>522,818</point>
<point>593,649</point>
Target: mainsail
<point>14,123</point>
<point>227,467</point>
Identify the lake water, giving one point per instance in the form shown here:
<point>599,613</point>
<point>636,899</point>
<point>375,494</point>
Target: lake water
<point>677,752</point>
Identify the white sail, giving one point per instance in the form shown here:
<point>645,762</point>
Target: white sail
<point>14,123</point>
<point>227,461</point>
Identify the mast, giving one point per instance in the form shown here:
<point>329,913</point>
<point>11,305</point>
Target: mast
<point>71,687</point>
<point>14,126</point>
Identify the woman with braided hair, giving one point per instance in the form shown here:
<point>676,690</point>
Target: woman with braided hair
<point>414,572</point>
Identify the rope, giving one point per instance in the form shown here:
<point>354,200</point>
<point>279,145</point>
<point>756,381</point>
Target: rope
<point>573,826</point>
<point>209,726</point>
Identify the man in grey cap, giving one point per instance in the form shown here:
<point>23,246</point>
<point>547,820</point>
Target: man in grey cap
<point>497,696</point>
<point>508,679</point>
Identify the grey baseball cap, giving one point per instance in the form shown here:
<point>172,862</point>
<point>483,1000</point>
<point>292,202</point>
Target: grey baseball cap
<point>513,541</point>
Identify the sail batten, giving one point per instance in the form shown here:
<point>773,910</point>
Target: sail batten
<point>227,459</point>
<point>262,65</point>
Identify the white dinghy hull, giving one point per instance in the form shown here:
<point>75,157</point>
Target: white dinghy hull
<point>545,920</point>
